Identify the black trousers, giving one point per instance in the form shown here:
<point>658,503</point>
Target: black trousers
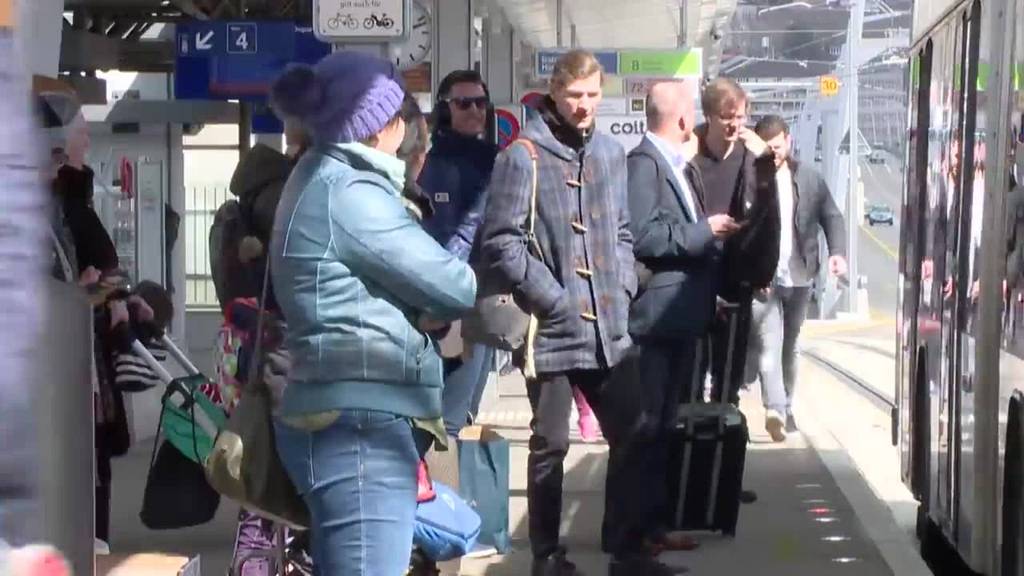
<point>551,400</point>
<point>641,407</point>
<point>721,353</point>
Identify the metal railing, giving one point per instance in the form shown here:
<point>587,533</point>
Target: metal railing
<point>201,204</point>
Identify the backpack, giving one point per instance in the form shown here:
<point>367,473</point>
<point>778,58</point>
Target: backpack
<point>232,278</point>
<point>233,350</point>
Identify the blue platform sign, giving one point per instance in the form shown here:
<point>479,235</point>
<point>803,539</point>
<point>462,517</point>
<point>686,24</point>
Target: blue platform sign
<point>219,60</point>
<point>546,61</point>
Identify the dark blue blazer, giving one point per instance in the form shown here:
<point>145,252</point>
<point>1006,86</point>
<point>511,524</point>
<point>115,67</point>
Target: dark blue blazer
<point>678,258</point>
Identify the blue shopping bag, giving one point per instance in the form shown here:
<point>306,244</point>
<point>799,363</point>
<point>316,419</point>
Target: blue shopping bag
<point>483,483</point>
<point>446,527</point>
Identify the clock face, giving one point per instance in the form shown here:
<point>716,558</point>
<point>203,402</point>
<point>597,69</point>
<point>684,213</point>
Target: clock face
<point>417,47</point>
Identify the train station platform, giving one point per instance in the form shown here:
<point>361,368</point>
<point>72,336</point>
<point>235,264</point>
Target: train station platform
<point>824,507</point>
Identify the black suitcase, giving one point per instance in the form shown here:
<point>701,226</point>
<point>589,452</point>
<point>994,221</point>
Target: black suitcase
<point>706,468</point>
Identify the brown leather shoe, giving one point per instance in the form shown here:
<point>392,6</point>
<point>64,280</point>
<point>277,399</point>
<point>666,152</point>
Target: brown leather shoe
<point>673,542</point>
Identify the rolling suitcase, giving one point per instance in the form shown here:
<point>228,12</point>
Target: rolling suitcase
<point>706,470</point>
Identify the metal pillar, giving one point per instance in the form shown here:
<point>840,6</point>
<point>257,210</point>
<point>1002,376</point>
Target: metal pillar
<point>244,127</point>
<point>853,92</point>
<point>64,432</point>
<point>559,15</point>
<point>45,19</point>
<point>499,67</point>
<point>453,38</point>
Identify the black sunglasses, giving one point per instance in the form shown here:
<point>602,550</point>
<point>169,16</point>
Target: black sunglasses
<point>464,103</point>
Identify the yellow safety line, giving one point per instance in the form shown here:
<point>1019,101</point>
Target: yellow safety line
<point>885,247</point>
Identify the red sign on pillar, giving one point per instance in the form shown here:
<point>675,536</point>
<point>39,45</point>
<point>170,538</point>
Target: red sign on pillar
<point>507,127</point>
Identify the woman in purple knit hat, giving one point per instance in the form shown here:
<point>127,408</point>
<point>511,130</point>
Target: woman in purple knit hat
<point>359,284</point>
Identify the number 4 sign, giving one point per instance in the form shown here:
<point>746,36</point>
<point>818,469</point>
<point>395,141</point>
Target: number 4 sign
<point>242,39</point>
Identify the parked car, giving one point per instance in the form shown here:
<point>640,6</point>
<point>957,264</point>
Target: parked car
<point>876,157</point>
<point>880,214</point>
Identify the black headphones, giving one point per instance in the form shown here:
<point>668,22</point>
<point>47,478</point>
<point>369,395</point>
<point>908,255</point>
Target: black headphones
<point>442,108</point>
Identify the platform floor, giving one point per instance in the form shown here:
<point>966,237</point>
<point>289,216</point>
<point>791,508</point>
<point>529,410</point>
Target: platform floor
<point>803,523</point>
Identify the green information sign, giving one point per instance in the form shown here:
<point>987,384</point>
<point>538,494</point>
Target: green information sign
<point>661,63</point>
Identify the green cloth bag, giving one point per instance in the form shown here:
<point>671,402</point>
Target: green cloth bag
<point>191,420</point>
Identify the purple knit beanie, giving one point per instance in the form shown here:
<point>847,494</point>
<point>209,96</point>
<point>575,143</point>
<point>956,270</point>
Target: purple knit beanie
<point>346,97</point>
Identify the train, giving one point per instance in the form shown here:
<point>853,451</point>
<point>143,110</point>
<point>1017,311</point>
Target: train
<point>959,424</point>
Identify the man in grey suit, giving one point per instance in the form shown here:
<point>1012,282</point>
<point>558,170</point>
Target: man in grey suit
<point>678,250</point>
<point>805,206</point>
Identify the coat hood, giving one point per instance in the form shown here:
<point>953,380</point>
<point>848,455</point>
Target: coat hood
<point>260,166</point>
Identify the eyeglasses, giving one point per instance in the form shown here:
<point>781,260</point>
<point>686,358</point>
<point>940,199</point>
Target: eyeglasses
<point>464,103</point>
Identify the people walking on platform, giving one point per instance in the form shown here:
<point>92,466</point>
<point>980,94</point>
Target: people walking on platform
<point>455,176</point>
<point>738,169</point>
<point>359,283</point>
<point>806,206</point>
<point>678,253</point>
<point>578,281</point>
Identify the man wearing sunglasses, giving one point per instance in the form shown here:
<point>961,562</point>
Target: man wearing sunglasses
<point>454,177</point>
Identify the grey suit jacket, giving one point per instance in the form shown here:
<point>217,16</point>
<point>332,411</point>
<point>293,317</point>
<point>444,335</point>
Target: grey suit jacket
<point>815,209</point>
<point>678,258</point>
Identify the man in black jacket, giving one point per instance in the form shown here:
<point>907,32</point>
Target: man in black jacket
<point>738,169</point>
<point>678,252</point>
<point>806,205</point>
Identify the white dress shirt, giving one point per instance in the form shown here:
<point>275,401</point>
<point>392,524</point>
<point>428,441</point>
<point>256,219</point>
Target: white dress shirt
<point>674,156</point>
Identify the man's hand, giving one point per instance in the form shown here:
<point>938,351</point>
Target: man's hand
<point>722,225</point>
<point>752,141</point>
<point>119,313</point>
<point>837,266</point>
<point>89,277</point>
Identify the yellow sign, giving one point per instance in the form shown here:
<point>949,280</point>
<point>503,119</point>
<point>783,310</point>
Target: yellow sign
<point>829,85</point>
<point>6,13</point>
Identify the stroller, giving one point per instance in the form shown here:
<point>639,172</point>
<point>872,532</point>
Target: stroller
<point>193,413</point>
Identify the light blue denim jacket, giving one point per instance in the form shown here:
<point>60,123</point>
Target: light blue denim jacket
<point>353,271</point>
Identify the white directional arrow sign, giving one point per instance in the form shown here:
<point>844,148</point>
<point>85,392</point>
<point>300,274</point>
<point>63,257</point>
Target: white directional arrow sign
<point>203,40</point>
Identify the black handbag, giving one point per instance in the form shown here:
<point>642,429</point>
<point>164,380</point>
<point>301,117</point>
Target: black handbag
<point>177,494</point>
<point>497,320</point>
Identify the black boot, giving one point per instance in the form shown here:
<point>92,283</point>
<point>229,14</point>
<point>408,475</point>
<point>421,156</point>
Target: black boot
<point>555,564</point>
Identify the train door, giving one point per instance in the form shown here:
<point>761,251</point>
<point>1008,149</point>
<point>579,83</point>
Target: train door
<point>967,274</point>
<point>912,390</point>
<point>945,142</point>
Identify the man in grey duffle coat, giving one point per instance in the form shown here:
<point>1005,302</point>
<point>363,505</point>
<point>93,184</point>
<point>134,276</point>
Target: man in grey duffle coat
<point>580,286</point>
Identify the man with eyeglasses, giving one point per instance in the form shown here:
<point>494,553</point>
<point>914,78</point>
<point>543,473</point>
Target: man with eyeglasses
<point>738,170</point>
<point>454,177</point>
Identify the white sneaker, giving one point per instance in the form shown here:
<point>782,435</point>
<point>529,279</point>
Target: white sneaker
<point>775,424</point>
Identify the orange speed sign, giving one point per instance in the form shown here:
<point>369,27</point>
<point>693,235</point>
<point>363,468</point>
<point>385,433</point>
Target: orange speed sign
<point>829,85</point>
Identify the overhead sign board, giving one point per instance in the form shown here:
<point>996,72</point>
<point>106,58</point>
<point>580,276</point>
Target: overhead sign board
<point>546,59</point>
<point>661,63</point>
<point>219,60</point>
<point>829,85</point>
<point>360,20</point>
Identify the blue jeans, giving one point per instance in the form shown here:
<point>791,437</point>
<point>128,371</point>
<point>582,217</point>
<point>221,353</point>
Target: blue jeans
<point>358,477</point>
<point>777,319</point>
<point>464,388</point>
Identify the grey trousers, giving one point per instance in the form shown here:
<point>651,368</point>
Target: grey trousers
<point>774,330</point>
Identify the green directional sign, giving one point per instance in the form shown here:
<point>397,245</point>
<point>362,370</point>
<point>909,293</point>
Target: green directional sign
<point>661,63</point>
